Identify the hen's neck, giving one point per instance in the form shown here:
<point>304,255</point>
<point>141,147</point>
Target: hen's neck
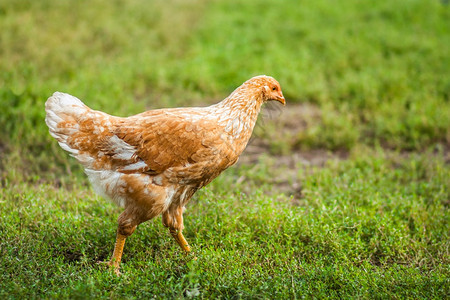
<point>238,114</point>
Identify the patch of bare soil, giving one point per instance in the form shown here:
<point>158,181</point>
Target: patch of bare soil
<point>287,121</point>
<point>283,123</point>
<point>288,169</point>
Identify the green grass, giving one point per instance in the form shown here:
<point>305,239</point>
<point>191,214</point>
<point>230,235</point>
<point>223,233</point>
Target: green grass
<point>368,81</point>
<point>376,226</point>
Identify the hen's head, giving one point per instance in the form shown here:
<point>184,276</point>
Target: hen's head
<point>266,87</point>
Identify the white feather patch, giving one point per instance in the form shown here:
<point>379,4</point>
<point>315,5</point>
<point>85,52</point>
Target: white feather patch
<point>67,148</point>
<point>136,166</point>
<point>170,192</point>
<point>123,150</point>
<point>104,183</point>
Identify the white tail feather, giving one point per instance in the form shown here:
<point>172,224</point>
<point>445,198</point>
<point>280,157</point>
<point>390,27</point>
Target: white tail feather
<point>61,107</point>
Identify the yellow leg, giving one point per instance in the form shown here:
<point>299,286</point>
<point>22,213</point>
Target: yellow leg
<point>178,236</point>
<point>117,254</point>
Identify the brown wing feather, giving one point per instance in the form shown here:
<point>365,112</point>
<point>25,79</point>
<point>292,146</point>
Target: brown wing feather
<point>167,139</point>
<point>161,141</point>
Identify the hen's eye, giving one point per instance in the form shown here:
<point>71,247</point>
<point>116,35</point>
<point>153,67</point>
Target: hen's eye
<point>274,88</point>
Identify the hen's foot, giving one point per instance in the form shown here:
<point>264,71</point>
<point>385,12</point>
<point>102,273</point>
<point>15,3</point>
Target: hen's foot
<point>111,264</point>
<point>178,236</point>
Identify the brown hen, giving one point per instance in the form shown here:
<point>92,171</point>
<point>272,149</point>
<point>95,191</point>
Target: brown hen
<point>152,163</point>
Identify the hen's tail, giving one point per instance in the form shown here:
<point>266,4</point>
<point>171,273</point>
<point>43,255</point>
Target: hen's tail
<point>63,113</point>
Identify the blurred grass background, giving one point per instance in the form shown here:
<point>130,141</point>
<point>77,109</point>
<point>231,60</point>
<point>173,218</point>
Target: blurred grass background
<point>365,80</point>
<point>377,71</point>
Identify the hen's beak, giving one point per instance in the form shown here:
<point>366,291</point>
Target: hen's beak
<point>281,100</point>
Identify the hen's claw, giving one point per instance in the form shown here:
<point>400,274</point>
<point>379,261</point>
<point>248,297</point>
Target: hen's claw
<point>178,236</point>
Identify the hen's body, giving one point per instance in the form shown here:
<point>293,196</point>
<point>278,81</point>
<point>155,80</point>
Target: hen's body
<point>152,163</point>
